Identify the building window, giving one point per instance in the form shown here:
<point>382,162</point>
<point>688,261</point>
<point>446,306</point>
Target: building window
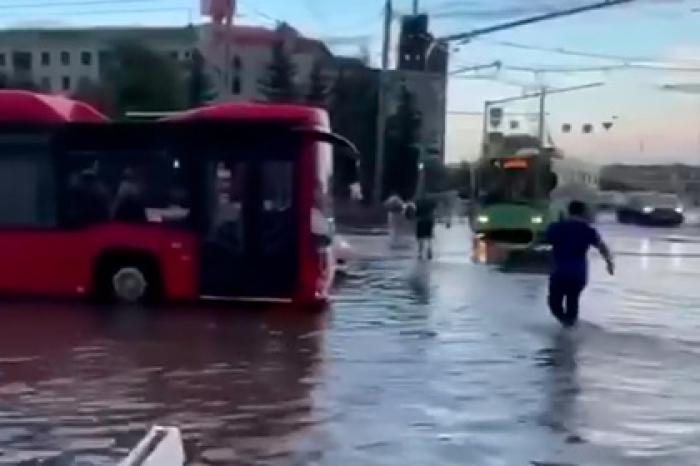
<point>46,84</point>
<point>86,58</point>
<point>45,59</point>
<point>236,85</point>
<point>237,65</point>
<point>65,58</point>
<point>188,54</point>
<point>175,55</point>
<point>3,59</point>
<point>22,61</point>
<point>65,83</point>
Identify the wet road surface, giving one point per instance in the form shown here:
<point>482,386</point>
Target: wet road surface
<point>447,363</point>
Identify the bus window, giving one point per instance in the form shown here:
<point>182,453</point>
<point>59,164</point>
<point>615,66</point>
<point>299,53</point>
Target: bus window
<point>277,207</point>
<point>27,183</point>
<point>130,186</point>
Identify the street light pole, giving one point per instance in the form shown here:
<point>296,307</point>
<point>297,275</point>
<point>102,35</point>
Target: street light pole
<point>542,123</point>
<point>381,108</point>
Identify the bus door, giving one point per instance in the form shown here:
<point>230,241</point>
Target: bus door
<point>249,245</point>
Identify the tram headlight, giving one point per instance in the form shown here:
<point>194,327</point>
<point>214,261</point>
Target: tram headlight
<point>648,210</point>
<point>679,210</point>
<point>483,219</point>
<point>537,220</point>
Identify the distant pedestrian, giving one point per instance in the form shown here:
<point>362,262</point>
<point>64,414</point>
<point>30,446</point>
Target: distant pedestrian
<point>425,226</point>
<point>395,208</point>
<point>571,239</point>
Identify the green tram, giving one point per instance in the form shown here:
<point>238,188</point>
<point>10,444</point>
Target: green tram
<point>520,189</point>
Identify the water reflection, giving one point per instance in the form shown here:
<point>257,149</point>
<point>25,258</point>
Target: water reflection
<point>80,384</point>
<point>644,250</point>
<point>419,281</point>
<point>421,364</point>
<point>561,382</point>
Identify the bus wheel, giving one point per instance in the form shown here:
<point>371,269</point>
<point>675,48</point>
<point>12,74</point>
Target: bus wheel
<point>129,285</point>
<point>123,281</point>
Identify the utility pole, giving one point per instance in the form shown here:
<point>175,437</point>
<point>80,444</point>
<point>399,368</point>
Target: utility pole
<point>381,107</point>
<point>542,123</point>
<point>415,7</point>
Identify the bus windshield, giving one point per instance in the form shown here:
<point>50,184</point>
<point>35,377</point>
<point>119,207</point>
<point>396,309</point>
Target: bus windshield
<point>508,181</point>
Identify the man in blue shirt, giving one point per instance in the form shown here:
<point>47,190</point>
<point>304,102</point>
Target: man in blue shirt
<point>571,239</point>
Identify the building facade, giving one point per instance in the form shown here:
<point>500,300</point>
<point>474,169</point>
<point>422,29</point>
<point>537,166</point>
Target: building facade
<point>248,50</point>
<point>57,60</point>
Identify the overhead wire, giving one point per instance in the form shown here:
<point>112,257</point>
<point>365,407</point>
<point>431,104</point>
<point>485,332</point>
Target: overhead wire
<point>578,53</point>
<point>71,3</point>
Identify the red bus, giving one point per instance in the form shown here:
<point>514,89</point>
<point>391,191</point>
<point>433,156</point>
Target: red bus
<point>230,202</point>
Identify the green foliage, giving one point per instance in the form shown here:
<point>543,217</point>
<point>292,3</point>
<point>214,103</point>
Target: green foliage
<point>459,178</point>
<point>353,111</point>
<point>402,148</point>
<point>144,80</point>
<point>200,89</point>
<point>278,85</point>
<point>317,95</point>
<point>98,95</point>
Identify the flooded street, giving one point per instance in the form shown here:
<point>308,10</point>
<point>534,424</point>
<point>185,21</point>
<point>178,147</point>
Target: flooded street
<point>447,363</point>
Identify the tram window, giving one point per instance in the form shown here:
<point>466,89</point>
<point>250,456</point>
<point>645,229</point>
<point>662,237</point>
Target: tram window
<point>277,203</point>
<point>27,197</point>
<point>132,186</point>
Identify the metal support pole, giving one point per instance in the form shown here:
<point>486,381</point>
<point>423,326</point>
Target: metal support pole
<point>485,130</point>
<point>381,108</point>
<point>542,123</point>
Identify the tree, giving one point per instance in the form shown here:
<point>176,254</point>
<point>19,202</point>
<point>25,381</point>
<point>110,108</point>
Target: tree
<point>278,86</point>
<point>317,95</point>
<point>402,151</point>
<point>97,95</point>
<point>459,179</point>
<point>353,111</point>
<point>200,90</point>
<point>144,80</point>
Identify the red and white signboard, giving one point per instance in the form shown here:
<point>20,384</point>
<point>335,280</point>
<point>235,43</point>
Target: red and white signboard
<point>220,11</point>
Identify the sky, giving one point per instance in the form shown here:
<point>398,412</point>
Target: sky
<point>650,124</point>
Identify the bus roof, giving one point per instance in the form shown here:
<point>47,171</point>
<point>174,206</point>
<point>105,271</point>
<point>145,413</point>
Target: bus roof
<point>306,116</point>
<point>30,107</point>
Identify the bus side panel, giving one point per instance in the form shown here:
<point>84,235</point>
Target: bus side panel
<point>44,262</point>
<point>180,266</point>
<point>173,250</point>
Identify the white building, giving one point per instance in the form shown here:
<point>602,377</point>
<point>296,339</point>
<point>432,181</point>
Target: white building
<point>249,52</point>
<point>56,60</point>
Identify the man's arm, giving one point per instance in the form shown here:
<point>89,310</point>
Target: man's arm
<point>606,253</point>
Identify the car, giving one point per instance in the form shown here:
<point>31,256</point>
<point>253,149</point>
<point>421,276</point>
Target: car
<point>652,209</point>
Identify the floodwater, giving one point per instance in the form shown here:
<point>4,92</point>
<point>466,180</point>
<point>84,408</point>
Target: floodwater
<point>447,363</point>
